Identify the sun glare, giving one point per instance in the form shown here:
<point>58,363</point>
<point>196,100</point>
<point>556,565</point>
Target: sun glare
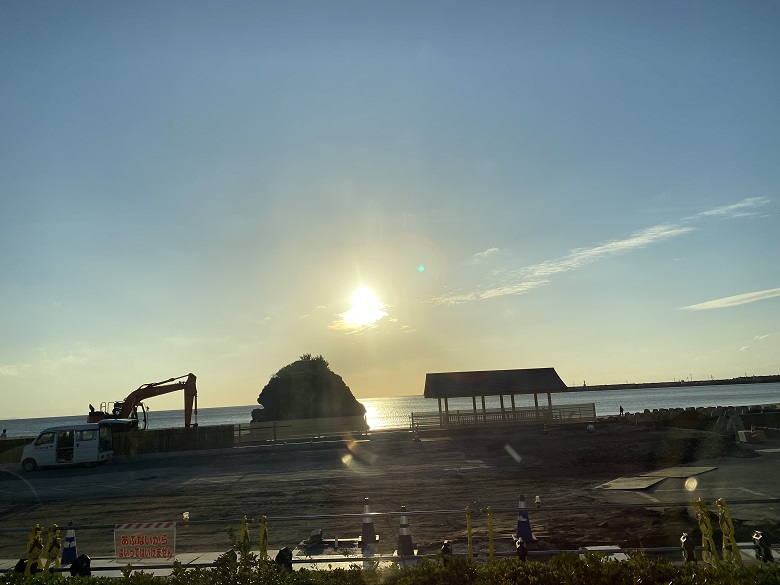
<point>366,309</point>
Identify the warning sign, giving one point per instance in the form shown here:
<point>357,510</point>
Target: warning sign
<point>149,540</point>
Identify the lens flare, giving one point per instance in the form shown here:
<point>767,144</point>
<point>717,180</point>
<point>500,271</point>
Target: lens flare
<point>691,483</point>
<point>512,453</point>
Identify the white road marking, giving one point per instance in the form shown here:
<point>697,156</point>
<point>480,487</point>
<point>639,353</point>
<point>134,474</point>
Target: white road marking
<point>752,492</point>
<point>720,489</point>
<point>648,496</point>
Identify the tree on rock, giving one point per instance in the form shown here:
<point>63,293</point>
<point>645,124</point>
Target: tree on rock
<point>306,388</point>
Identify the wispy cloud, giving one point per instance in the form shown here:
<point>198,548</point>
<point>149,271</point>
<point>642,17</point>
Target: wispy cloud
<point>12,369</point>
<point>735,300</point>
<point>54,358</point>
<point>743,208</point>
<point>479,256</point>
<point>514,282</point>
<point>518,281</point>
<point>760,337</point>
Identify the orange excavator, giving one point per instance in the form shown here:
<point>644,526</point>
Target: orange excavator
<point>127,409</point>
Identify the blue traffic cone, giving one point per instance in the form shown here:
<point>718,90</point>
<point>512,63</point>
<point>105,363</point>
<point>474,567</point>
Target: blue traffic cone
<point>523,523</point>
<point>69,553</point>
<point>368,535</point>
<point>405,545</point>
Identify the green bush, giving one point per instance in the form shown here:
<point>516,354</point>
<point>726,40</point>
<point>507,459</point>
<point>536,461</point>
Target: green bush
<point>565,568</point>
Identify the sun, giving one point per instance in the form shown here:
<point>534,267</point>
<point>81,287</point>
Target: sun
<point>366,309</point>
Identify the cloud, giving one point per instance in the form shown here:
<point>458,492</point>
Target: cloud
<point>522,280</point>
<point>479,256</point>
<point>195,341</point>
<point>760,337</point>
<point>55,358</point>
<point>745,348</point>
<point>735,300</point>
<point>12,369</point>
<point>518,281</point>
<point>735,209</point>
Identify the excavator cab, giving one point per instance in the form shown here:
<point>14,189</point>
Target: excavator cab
<point>109,410</point>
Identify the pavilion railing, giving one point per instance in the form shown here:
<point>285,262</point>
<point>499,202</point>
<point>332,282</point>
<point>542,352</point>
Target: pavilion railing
<point>544,414</point>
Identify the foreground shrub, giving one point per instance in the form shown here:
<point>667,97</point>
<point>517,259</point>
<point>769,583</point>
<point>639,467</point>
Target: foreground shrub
<point>565,568</point>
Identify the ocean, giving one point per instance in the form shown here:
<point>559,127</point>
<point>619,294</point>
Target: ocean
<point>394,412</point>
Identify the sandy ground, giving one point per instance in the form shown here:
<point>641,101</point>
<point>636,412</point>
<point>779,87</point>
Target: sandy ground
<point>445,471</point>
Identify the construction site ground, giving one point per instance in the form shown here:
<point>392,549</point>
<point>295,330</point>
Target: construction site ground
<point>299,487</point>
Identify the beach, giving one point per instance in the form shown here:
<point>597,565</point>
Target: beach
<point>295,485</point>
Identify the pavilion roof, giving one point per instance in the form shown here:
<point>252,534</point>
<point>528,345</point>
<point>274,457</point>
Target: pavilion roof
<point>492,383</point>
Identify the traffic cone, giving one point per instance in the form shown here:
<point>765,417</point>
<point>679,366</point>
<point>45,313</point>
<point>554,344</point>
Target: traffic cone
<point>546,430</point>
<point>405,545</point>
<point>523,524</point>
<point>69,553</point>
<point>368,534</point>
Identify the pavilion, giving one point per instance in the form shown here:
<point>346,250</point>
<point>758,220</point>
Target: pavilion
<point>480,384</point>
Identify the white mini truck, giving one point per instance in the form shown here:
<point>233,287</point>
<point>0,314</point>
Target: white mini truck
<point>80,444</point>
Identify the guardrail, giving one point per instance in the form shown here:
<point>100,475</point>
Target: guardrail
<point>461,418</point>
<point>276,431</point>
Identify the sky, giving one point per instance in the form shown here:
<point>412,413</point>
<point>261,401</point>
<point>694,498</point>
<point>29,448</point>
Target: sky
<point>401,187</point>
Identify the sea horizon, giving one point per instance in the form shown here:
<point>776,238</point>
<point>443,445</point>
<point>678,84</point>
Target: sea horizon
<point>394,412</point>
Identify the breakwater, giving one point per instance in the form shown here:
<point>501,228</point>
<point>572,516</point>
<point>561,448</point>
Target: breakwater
<point>716,419</point>
<point>775,378</point>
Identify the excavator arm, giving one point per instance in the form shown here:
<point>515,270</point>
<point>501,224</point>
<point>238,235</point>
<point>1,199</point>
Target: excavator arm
<point>165,387</point>
<point>127,407</point>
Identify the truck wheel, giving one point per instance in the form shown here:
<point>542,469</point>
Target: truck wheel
<point>29,465</point>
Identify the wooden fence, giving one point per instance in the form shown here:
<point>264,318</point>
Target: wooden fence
<point>166,440</point>
<point>11,449</point>
<point>461,418</point>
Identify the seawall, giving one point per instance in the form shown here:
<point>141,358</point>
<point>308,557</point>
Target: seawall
<point>726,420</point>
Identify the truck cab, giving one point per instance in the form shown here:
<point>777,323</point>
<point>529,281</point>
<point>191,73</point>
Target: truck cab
<point>81,444</point>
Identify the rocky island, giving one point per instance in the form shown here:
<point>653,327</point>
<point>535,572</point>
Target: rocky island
<point>306,389</point>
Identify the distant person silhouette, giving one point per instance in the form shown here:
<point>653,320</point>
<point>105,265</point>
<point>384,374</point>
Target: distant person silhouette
<point>4,435</point>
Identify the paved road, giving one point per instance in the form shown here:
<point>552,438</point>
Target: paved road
<point>192,472</point>
<point>163,474</point>
<point>733,479</point>
<point>282,481</point>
